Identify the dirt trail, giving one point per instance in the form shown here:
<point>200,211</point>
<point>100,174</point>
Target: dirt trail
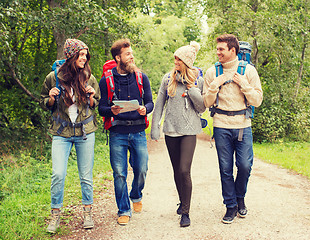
<point>278,204</point>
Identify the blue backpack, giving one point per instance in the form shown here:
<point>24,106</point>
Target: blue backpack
<point>245,52</point>
<point>244,56</point>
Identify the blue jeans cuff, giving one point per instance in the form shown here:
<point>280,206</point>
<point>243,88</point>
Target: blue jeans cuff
<point>58,206</point>
<point>87,202</point>
<point>125,213</point>
<point>136,200</point>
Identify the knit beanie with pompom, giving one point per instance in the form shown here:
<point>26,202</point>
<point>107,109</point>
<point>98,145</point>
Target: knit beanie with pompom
<point>72,47</point>
<point>188,53</point>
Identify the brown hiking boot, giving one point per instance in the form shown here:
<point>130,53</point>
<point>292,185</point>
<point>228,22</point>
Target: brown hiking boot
<point>55,221</point>
<point>88,220</point>
<point>123,220</point>
<point>137,206</point>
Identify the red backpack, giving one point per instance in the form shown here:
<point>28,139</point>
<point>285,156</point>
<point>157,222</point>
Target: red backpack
<point>107,73</point>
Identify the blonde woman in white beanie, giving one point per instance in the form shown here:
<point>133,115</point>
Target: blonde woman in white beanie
<point>181,92</point>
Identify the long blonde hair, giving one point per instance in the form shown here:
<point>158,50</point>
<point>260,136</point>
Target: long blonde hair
<point>188,76</point>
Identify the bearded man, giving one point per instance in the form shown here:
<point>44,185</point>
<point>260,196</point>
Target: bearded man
<point>127,133</point>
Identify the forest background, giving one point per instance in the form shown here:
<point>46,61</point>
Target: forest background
<point>33,32</point>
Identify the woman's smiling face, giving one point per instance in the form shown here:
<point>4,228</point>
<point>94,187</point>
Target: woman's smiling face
<point>178,63</point>
<point>80,62</point>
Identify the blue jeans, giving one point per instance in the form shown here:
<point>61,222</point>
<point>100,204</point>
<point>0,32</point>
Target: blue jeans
<point>61,148</point>
<point>138,159</point>
<point>227,144</point>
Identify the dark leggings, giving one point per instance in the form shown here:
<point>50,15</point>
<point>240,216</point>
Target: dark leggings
<point>181,151</point>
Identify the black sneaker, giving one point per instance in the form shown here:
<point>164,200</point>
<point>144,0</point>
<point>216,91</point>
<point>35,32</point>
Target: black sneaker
<point>242,210</point>
<point>185,221</point>
<point>179,210</point>
<point>231,213</point>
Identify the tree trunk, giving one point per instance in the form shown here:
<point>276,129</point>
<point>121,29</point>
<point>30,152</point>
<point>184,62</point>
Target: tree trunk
<point>60,39</point>
<point>254,6</point>
<point>255,52</point>
<point>305,42</point>
<point>59,34</point>
<point>297,86</point>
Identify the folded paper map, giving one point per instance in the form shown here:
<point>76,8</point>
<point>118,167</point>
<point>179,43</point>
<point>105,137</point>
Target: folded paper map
<point>127,106</point>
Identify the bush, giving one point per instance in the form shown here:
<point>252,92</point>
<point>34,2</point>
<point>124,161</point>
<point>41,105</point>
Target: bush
<point>281,120</point>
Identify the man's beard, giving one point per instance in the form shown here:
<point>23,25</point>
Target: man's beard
<point>128,67</point>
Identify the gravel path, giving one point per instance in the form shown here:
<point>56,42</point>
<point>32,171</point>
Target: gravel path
<point>278,204</point>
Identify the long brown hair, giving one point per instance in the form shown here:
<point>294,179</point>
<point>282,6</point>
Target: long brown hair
<point>76,78</point>
<point>189,76</point>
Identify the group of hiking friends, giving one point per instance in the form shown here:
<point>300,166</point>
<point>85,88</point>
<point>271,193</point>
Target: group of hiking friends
<point>230,89</point>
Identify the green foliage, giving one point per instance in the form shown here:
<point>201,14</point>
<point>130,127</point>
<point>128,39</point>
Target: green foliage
<point>282,119</point>
<point>32,34</point>
<point>278,32</point>
<point>154,52</point>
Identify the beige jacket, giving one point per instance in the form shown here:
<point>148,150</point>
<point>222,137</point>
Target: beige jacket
<point>231,96</point>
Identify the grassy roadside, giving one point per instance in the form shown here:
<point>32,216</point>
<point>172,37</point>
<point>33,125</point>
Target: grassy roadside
<point>290,155</point>
<point>25,191</point>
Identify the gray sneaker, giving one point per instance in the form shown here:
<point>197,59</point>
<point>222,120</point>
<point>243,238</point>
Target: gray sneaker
<point>54,223</point>
<point>88,220</point>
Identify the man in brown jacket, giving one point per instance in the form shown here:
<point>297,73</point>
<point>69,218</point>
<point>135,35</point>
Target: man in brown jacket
<point>230,95</point>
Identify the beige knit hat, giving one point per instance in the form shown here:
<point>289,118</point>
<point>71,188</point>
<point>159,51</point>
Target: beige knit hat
<point>188,53</point>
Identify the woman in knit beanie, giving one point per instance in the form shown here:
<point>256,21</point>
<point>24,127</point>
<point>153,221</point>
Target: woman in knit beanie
<point>181,93</point>
<point>72,99</point>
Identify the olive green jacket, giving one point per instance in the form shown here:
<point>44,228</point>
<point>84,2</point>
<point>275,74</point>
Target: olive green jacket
<point>49,83</point>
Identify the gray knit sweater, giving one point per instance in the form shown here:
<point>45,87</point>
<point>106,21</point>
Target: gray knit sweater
<point>182,114</point>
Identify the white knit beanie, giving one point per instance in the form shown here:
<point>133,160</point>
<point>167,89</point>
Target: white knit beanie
<point>188,53</point>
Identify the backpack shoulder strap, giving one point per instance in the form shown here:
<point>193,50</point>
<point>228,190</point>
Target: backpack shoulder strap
<point>241,70</point>
<point>139,79</point>
<point>58,96</point>
<point>60,88</point>
<point>110,85</point>
<point>57,80</point>
<point>218,68</point>
<point>241,67</point>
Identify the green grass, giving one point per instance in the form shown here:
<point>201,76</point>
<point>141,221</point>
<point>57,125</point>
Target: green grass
<point>290,155</point>
<point>25,191</point>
